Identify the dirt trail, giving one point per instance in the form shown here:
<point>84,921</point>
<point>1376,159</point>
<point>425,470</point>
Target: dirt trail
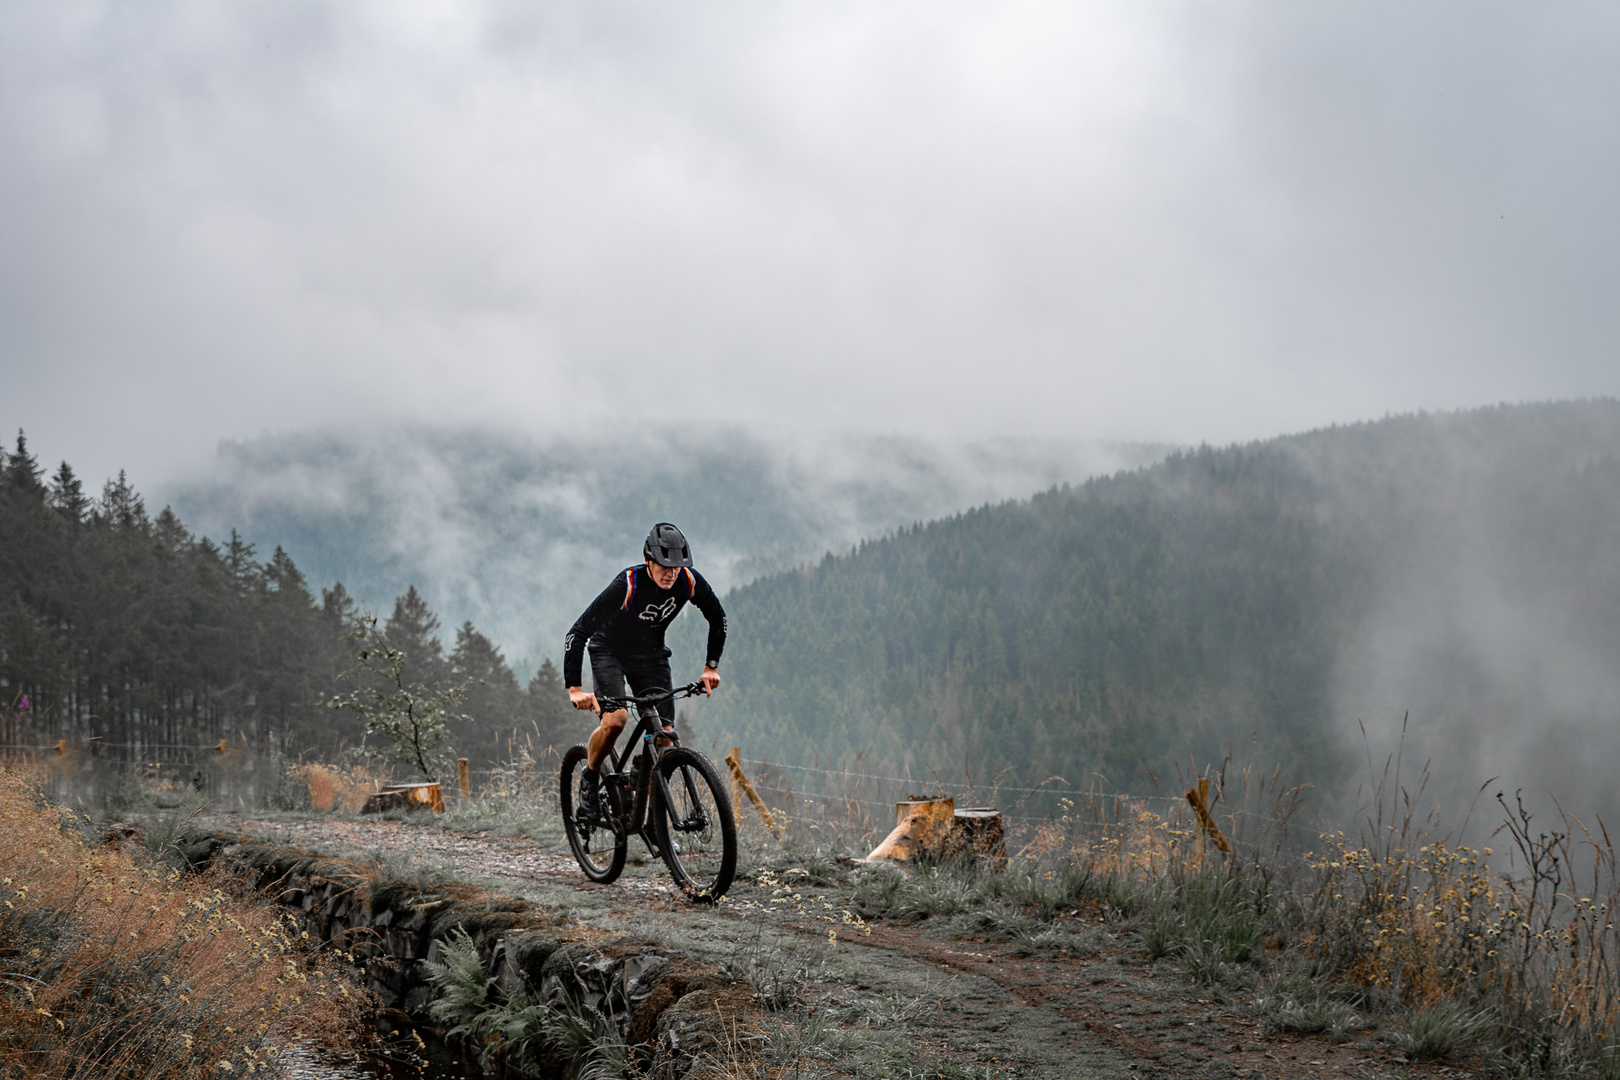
<point>892,999</point>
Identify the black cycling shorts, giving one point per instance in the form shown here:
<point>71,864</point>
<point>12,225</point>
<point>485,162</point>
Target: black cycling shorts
<point>609,672</point>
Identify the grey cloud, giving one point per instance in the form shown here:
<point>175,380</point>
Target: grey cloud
<point>1126,220</point>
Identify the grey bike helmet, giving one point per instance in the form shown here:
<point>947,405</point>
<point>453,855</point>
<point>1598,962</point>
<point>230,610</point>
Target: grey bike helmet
<point>666,546</point>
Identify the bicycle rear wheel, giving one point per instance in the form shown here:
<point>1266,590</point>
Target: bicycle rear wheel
<point>695,829</point>
<point>600,851</point>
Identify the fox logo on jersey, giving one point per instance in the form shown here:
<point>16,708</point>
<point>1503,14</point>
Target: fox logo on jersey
<point>659,612</point>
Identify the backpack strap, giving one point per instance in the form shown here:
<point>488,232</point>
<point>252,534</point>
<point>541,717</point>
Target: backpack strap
<point>691,582</point>
<point>629,588</point>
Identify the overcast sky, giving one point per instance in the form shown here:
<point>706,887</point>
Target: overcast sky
<point>1196,221</point>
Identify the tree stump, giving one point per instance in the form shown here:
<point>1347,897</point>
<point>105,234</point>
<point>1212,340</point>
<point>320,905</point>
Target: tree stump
<point>405,797</point>
<point>934,828</point>
<point>977,830</point>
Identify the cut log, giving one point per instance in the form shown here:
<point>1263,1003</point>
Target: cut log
<point>934,828</point>
<point>405,797</point>
<point>977,830</point>
<point>921,826</point>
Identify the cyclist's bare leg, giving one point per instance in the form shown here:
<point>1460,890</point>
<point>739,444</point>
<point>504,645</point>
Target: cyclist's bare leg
<point>603,738</point>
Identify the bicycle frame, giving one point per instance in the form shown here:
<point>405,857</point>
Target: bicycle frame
<point>648,731</point>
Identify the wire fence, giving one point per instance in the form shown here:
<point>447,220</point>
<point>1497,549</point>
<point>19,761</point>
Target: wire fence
<point>853,803</point>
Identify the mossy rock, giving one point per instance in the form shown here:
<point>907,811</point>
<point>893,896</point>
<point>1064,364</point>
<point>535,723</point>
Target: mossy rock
<point>523,959</point>
<point>702,1025</point>
<point>579,971</point>
<point>484,927</point>
<point>661,986</point>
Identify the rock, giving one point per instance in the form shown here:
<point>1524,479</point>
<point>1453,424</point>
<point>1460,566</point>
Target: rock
<point>702,1024</point>
<point>522,960</point>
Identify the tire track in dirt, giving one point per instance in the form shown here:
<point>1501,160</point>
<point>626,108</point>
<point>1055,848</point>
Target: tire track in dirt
<point>1110,1008</point>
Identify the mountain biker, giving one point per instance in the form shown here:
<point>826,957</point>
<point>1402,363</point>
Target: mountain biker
<point>625,627</point>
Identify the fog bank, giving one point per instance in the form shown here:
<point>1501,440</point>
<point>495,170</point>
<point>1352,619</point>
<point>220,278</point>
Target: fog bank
<point>517,534</point>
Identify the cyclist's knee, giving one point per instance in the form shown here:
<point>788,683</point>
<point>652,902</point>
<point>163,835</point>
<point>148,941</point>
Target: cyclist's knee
<point>613,722</point>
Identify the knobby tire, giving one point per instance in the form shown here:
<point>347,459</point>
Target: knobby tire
<point>702,860</point>
<point>590,842</point>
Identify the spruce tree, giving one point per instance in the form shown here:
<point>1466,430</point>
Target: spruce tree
<point>67,495</point>
<point>557,723</point>
<point>412,629</point>
<point>490,695</point>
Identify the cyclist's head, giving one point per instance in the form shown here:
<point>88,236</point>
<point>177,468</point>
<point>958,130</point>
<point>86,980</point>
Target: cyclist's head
<point>667,547</point>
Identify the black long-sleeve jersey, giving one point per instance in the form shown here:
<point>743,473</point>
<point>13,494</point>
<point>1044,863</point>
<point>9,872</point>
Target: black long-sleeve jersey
<point>630,617</point>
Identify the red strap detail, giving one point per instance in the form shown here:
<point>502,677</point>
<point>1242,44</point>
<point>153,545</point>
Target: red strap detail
<point>629,588</point>
<point>691,583</point>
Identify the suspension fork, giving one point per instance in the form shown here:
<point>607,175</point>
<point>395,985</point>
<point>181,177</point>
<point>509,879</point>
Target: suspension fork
<point>684,825</point>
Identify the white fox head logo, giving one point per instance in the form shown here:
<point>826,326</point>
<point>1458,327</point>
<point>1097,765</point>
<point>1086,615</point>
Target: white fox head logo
<point>659,612</point>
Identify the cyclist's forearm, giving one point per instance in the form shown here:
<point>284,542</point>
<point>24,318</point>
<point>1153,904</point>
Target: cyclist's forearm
<point>708,603</point>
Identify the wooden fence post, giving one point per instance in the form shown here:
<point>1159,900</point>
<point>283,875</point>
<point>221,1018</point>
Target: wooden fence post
<point>1199,797</point>
<point>734,759</point>
<point>463,778</point>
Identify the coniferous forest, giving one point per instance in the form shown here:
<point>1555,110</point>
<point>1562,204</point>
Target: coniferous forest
<point>123,632</point>
<point>1460,571</point>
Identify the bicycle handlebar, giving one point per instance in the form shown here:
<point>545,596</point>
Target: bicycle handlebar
<point>609,702</point>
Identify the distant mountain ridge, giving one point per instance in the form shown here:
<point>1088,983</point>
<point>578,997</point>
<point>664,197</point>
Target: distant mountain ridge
<point>517,535</point>
<point>1462,567</point>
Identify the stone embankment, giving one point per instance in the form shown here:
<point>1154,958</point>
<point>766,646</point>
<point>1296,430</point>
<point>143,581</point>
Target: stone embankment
<point>677,1010</point>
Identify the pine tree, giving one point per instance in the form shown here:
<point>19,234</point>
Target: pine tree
<point>23,471</point>
<point>67,495</point>
<point>338,606</point>
<point>171,533</point>
<point>490,695</point>
<point>412,629</point>
<point>121,506</point>
<point>546,706</point>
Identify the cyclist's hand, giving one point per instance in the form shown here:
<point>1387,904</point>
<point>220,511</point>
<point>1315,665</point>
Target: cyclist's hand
<point>582,700</point>
<point>710,679</point>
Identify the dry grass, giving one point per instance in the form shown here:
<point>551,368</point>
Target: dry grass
<point>1509,950</point>
<point>1523,932</point>
<point>116,969</point>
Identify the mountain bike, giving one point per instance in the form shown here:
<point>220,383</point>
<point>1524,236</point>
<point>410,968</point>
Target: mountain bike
<point>671,797</point>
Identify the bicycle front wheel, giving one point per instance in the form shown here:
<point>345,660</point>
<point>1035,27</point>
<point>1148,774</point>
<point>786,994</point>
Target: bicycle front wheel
<point>695,830</point>
<point>601,852</point>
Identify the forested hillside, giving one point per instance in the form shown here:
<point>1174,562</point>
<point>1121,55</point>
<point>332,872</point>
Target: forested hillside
<point>518,535</point>
<point>1462,568</point>
<point>127,632</point>
<point>1465,567</point>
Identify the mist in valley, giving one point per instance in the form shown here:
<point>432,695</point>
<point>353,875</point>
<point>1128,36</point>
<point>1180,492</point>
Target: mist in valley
<point>1472,559</point>
<point>518,533</point>
<point>1490,633</point>
<point>1442,587</point>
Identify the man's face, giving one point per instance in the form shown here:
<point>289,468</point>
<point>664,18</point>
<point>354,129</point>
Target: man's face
<point>663,576</point>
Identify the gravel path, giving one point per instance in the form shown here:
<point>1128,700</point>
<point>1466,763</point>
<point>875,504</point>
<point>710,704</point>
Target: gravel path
<point>899,992</point>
